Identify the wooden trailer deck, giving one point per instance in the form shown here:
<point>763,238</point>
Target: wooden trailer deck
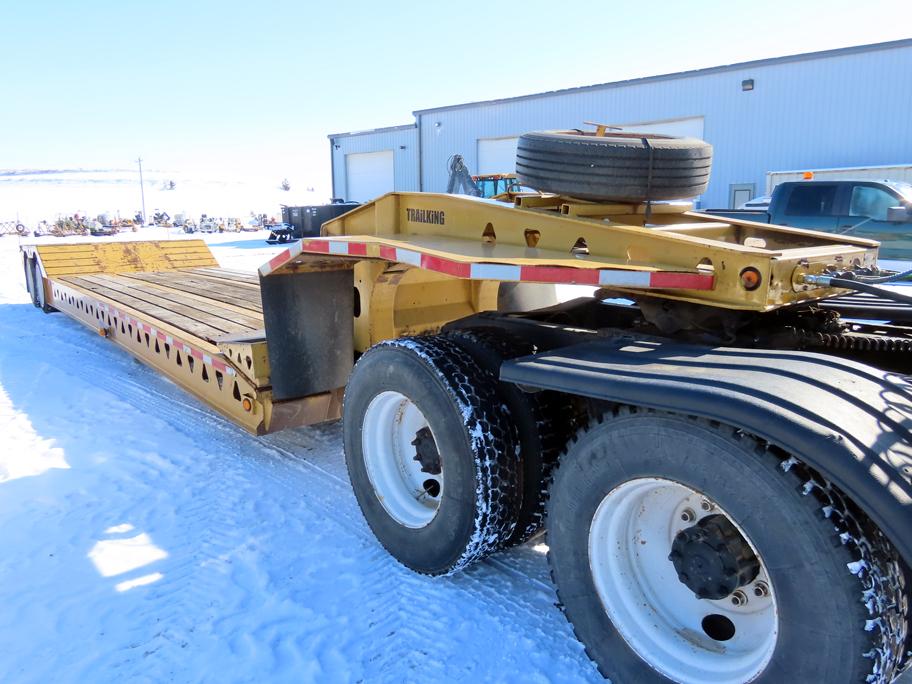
<point>170,305</point>
<point>208,303</point>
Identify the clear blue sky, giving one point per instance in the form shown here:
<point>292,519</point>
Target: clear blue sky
<point>242,86</point>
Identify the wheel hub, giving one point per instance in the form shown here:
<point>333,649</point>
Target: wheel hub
<point>401,459</point>
<point>712,559</point>
<point>426,451</point>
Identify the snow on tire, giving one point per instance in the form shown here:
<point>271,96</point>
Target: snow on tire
<point>687,551</point>
<point>543,420</point>
<point>430,453</point>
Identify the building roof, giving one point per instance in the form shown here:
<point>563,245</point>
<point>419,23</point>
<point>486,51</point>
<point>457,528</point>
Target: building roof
<point>387,129</point>
<point>824,54</point>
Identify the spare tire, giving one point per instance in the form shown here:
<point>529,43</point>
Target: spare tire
<point>621,167</point>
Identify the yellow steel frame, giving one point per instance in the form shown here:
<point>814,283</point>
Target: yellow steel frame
<point>548,230</point>
<point>397,301</point>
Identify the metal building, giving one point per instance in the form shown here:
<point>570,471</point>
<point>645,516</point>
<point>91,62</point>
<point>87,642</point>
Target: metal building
<point>837,108</point>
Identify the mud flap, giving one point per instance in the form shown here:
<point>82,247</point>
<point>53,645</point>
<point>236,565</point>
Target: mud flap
<point>309,326</point>
<point>850,421</point>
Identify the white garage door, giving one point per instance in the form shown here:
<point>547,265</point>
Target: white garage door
<point>368,175</point>
<point>496,155</point>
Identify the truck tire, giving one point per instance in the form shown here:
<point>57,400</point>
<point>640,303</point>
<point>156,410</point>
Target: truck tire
<point>525,296</point>
<point>617,167</point>
<point>542,421</point>
<point>29,287</point>
<point>32,280</point>
<point>650,511</point>
<point>430,454</point>
<point>35,286</point>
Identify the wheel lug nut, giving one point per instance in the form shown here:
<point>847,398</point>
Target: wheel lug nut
<point>739,598</point>
<point>761,589</point>
<point>707,505</point>
<point>687,515</point>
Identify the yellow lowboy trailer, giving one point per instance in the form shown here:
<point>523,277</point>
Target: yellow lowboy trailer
<point>724,457</point>
<point>170,304</point>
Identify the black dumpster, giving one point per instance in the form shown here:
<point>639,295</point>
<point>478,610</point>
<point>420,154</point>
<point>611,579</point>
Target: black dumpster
<point>301,222</point>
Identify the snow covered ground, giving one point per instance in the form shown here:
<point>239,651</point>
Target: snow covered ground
<point>146,539</point>
<point>32,195</point>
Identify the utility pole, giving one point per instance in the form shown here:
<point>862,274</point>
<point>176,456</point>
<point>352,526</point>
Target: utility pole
<point>142,191</point>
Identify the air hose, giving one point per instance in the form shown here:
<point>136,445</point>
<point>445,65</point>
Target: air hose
<point>890,278</point>
<point>867,285</point>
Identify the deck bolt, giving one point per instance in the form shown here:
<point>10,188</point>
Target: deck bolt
<point>761,589</point>
<point>707,505</point>
<point>687,515</point>
<point>739,598</point>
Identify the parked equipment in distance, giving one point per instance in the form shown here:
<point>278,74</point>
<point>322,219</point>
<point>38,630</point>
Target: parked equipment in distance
<point>299,222</point>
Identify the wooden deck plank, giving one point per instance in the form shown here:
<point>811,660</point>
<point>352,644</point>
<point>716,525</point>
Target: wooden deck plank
<point>207,296</point>
<point>221,278</point>
<point>163,296</point>
<point>194,321</point>
<point>227,274</point>
<point>148,312</point>
<point>253,275</point>
<point>239,290</point>
<point>210,313</point>
<point>227,293</point>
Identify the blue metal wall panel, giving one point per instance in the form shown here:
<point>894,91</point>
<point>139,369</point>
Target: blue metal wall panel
<point>844,109</point>
<point>403,141</point>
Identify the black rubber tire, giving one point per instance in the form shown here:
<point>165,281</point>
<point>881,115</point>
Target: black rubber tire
<point>806,532</point>
<point>615,167</point>
<point>31,279</point>
<point>35,286</point>
<point>480,497</point>
<point>542,420</point>
<point>28,277</point>
<point>525,296</point>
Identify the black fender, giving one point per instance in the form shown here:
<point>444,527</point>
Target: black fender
<point>848,420</point>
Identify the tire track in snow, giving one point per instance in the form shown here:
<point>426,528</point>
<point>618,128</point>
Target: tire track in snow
<point>402,615</point>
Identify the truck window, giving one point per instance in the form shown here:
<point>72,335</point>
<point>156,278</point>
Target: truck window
<point>871,202</point>
<point>811,200</point>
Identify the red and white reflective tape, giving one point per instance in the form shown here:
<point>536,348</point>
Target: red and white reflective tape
<point>281,258</point>
<point>613,277</point>
<point>216,363</point>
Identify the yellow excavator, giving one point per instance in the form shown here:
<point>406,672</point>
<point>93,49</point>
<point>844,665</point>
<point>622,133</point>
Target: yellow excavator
<point>489,186</point>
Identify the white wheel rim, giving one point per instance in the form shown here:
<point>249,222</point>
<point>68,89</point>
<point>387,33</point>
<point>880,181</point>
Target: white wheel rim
<point>658,616</point>
<point>391,423</point>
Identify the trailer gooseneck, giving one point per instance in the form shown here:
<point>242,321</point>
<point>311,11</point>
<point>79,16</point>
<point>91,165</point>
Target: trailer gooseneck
<point>721,457</point>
